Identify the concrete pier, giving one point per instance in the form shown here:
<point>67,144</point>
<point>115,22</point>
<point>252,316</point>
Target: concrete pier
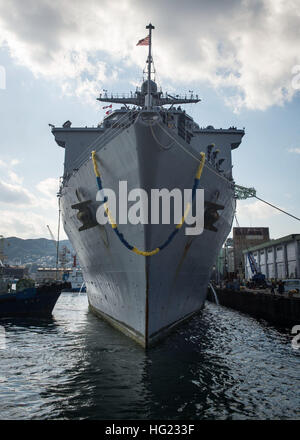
<point>278,309</point>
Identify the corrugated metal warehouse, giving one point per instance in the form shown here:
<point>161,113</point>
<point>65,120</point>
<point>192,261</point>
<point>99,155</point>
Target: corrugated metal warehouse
<point>276,258</point>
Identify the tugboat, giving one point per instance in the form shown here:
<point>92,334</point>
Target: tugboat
<point>28,300</point>
<point>23,297</point>
<point>75,279</point>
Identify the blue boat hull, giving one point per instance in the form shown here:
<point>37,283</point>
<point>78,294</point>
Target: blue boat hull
<point>34,301</point>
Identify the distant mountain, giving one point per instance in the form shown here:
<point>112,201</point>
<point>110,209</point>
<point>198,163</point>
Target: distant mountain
<point>32,250</point>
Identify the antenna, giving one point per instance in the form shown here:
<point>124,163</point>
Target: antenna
<point>150,27</point>
<point>58,230</point>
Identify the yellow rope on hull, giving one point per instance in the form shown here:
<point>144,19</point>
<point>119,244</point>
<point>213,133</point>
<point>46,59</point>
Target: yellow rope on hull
<point>115,226</point>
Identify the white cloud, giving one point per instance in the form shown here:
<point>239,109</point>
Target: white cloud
<point>8,164</point>
<point>49,187</point>
<point>254,211</point>
<point>23,225</point>
<point>11,190</point>
<point>26,213</point>
<point>245,48</point>
<point>14,177</point>
<point>15,194</point>
<point>14,162</point>
<point>294,150</point>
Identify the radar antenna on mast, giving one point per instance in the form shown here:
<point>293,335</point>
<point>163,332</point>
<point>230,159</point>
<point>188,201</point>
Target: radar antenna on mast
<point>148,96</point>
<point>150,27</point>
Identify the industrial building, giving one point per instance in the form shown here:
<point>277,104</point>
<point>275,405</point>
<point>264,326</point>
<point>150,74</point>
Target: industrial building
<point>224,266</point>
<point>49,274</point>
<point>243,239</point>
<point>14,272</point>
<point>279,259</point>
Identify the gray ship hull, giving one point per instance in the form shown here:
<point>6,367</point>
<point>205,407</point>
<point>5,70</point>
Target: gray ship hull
<point>144,296</point>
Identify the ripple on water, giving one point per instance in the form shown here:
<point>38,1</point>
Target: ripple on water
<point>220,365</point>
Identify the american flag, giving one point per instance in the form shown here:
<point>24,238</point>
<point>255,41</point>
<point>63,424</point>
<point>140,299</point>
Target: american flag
<point>107,106</point>
<point>143,41</point>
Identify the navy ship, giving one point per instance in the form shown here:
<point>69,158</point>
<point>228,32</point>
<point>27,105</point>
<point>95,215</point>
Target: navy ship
<point>146,278</point>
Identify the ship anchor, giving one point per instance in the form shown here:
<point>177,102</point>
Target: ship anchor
<point>85,215</point>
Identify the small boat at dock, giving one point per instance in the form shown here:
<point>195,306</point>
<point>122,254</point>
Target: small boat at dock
<point>75,279</point>
<point>29,300</point>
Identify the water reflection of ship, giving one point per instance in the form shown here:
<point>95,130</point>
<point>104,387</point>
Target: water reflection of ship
<point>115,379</point>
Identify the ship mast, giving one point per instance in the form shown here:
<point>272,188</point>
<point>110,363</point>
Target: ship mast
<point>150,27</point>
<point>143,98</point>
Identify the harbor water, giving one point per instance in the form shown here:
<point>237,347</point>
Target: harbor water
<point>220,365</point>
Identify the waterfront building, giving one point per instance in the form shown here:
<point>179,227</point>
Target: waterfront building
<point>277,259</point>
<point>49,274</point>
<point>224,266</point>
<point>14,272</point>
<point>243,239</point>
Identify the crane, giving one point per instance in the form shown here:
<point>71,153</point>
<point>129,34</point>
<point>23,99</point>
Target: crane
<point>51,235</point>
<point>258,278</point>
<point>243,193</point>
<point>63,258</point>
<point>252,262</point>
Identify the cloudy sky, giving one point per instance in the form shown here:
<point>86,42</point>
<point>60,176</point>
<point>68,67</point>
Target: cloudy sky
<point>241,57</point>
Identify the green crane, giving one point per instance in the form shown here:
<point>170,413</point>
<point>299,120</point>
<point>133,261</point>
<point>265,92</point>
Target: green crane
<point>243,193</point>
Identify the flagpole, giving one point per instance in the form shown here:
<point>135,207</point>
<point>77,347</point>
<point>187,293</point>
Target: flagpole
<point>150,27</point>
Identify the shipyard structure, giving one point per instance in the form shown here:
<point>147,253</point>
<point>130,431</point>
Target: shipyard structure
<point>276,259</point>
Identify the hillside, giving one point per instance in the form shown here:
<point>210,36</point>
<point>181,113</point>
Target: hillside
<point>20,251</point>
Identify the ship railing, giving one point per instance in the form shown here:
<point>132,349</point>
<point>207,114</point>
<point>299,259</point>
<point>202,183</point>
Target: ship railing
<point>116,128</point>
<point>180,97</point>
<point>117,95</point>
<point>134,94</point>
